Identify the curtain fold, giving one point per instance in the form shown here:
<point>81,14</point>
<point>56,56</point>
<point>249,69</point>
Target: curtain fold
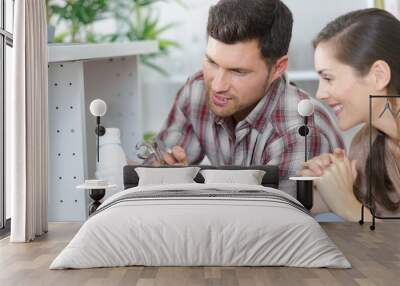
<point>26,123</point>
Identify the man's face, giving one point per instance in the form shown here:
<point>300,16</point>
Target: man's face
<point>236,77</point>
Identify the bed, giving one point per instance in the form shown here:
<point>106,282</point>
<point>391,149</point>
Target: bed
<point>201,224</point>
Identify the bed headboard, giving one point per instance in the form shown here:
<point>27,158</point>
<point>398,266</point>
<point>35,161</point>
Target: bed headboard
<point>270,179</point>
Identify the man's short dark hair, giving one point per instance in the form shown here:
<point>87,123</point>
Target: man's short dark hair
<point>268,21</point>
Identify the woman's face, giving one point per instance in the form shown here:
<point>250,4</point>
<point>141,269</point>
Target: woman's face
<point>341,87</point>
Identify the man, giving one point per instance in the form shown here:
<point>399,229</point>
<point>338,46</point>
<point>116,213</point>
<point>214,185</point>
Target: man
<point>241,110</point>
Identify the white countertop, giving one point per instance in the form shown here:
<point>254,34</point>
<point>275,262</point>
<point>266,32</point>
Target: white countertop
<point>82,52</point>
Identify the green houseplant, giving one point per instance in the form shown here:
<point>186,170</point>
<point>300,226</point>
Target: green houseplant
<point>78,16</point>
<point>140,21</point>
<point>135,20</point>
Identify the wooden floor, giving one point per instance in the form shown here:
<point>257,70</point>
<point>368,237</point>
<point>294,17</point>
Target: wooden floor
<point>375,257</point>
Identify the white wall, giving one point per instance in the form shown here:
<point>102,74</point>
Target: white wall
<point>309,19</point>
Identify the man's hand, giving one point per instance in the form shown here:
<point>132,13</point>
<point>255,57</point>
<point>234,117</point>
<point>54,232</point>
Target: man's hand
<point>177,156</point>
<point>131,162</point>
<point>317,165</point>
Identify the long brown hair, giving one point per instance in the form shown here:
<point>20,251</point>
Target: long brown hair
<point>361,38</point>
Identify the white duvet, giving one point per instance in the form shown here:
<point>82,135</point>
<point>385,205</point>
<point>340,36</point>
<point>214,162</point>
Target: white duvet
<point>190,231</point>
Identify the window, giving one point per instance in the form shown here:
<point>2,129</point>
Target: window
<point>6,44</point>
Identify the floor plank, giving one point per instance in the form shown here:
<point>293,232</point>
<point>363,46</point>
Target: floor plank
<point>374,255</point>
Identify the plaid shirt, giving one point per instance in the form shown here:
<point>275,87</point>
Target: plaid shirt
<point>268,135</point>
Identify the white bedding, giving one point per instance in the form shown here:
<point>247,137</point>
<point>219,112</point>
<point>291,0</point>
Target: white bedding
<point>183,231</point>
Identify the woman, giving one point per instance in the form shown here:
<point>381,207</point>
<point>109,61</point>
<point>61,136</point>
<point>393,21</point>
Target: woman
<point>357,55</point>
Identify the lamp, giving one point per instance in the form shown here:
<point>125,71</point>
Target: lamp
<point>304,186</point>
<point>305,108</point>
<point>98,108</point>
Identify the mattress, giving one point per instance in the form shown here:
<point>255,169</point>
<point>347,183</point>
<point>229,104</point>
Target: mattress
<point>201,225</point>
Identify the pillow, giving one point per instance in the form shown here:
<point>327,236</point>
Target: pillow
<point>248,177</point>
<point>162,176</point>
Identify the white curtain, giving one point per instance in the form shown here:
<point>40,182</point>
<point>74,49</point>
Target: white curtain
<point>26,123</point>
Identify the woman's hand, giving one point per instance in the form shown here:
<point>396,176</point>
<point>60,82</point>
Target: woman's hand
<point>336,188</point>
<point>316,166</point>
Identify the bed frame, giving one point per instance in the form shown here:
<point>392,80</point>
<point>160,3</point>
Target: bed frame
<point>270,179</point>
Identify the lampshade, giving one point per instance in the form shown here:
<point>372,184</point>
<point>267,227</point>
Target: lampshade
<point>98,107</point>
<point>305,107</point>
